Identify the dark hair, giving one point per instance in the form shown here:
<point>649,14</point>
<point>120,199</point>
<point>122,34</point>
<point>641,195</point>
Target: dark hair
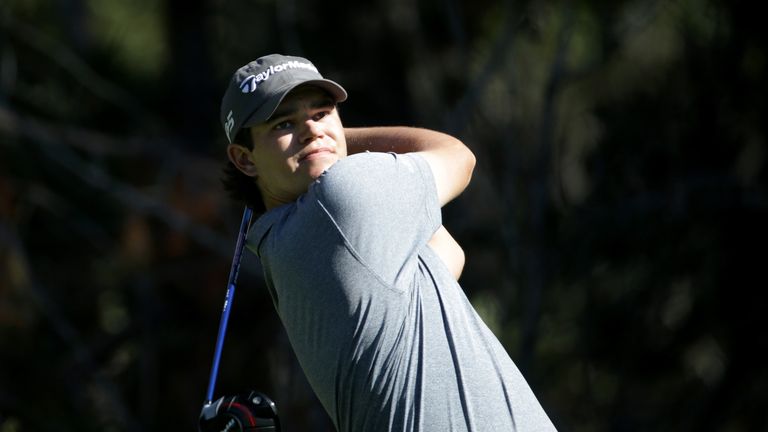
<point>239,186</point>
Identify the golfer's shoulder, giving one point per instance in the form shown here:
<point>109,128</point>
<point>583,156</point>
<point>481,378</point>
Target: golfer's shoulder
<point>373,166</point>
<point>360,162</point>
<point>371,172</point>
<point>354,169</point>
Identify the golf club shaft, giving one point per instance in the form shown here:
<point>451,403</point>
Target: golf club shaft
<point>233,271</point>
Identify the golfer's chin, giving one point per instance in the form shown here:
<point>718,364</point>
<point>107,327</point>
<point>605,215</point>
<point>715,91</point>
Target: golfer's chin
<point>317,166</point>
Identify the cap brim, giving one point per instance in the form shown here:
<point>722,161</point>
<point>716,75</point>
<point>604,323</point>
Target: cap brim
<point>265,111</point>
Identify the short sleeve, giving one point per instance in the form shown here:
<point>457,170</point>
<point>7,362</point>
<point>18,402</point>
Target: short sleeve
<point>385,206</point>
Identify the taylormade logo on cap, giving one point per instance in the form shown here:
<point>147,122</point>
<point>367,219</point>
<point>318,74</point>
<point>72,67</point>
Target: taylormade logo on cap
<point>250,83</point>
<point>256,89</point>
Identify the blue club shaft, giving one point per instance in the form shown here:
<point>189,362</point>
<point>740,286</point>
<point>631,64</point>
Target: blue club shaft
<point>233,272</point>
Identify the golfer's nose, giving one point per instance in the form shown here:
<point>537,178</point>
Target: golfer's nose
<point>310,131</point>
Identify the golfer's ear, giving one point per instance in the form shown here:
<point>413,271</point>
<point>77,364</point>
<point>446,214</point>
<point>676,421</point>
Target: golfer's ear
<point>240,157</point>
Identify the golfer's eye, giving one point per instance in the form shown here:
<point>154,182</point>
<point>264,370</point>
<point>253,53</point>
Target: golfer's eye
<point>285,124</point>
<point>319,115</point>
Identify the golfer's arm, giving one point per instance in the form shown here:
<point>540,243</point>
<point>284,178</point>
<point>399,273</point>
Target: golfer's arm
<point>446,247</point>
<point>450,160</point>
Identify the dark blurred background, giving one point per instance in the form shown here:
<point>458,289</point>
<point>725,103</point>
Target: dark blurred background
<point>615,227</point>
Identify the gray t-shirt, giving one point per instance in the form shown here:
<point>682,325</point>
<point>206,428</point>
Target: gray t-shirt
<point>383,332</point>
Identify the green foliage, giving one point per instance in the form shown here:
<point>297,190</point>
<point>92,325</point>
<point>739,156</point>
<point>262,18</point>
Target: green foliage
<point>133,33</point>
<point>613,228</point>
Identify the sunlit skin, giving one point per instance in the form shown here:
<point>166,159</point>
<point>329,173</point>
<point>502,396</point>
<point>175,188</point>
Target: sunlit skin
<point>301,140</point>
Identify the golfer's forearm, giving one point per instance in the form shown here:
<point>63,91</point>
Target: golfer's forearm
<point>397,139</point>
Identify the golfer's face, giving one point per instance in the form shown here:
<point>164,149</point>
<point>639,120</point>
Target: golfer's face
<point>302,139</point>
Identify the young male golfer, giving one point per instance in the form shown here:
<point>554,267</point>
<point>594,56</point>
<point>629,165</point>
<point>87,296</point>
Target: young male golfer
<point>360,269</point>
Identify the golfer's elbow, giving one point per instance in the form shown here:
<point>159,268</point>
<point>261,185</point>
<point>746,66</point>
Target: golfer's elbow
<point>465,163</point>
<point>470,162</point>
<point>452,164</point>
